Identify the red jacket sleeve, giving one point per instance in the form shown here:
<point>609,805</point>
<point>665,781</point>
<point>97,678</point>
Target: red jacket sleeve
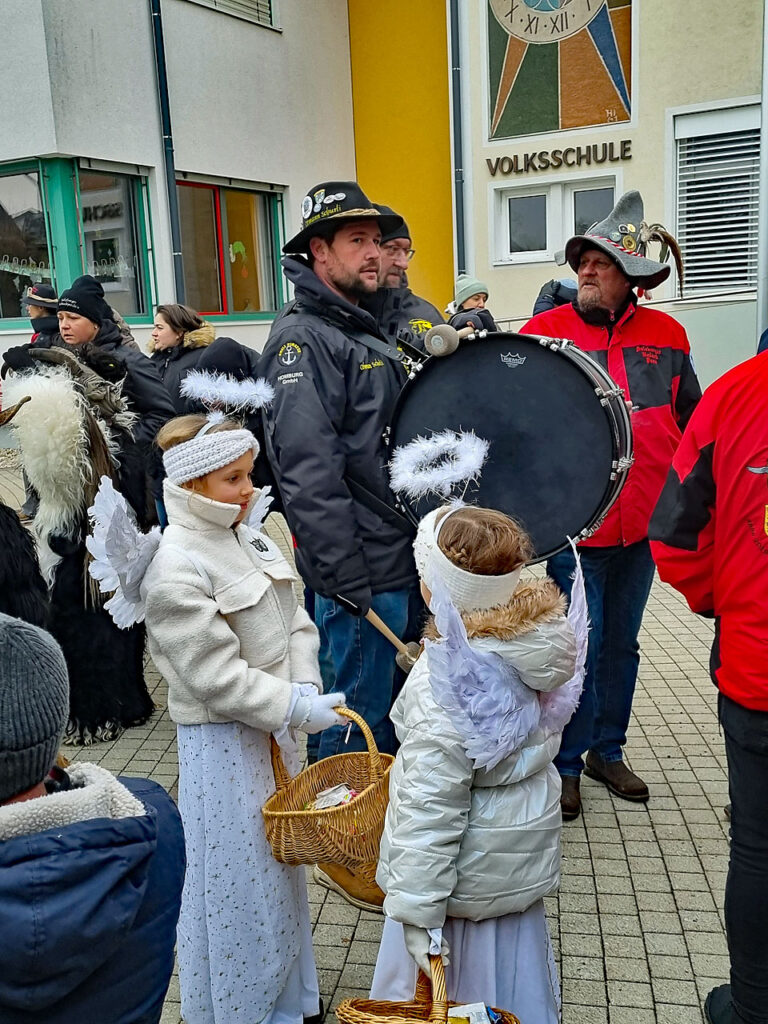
<point>682,529</point>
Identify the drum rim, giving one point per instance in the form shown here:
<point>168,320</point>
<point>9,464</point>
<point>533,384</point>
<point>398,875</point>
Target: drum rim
<point>598,376</point>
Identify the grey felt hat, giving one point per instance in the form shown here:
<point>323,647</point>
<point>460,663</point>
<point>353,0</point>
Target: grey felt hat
<point>624,236</point>
<point>34,704</point>
<point>335,201</point>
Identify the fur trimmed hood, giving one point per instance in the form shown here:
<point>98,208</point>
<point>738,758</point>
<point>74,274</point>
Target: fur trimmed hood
<point>200,338</point>
<point>532,604</point>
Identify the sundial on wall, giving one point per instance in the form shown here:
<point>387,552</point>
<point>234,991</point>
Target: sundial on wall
<point>556,64</point>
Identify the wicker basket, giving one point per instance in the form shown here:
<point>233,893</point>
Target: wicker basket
<point>348,835</point>
<point>429,1004</point>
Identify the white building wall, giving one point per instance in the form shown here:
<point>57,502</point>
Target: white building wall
<point>248,103</point>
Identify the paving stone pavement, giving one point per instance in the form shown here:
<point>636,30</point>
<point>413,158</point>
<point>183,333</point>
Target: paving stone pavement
<point>638,924</point>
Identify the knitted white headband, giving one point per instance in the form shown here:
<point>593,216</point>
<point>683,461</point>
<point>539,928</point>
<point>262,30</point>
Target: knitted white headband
<point>206,452</point>
<point>468,590</point>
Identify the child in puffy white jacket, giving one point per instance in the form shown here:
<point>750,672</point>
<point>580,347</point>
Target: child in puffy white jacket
<point>471,843</point>
<point>240,658</point>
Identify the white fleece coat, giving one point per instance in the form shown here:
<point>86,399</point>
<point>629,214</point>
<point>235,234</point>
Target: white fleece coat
<point>465,842</point>
<point>223,623</point>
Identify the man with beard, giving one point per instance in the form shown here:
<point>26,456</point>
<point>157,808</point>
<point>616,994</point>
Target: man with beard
<point>400,315</point>
<point>336,379</point>
<point>647,354</point>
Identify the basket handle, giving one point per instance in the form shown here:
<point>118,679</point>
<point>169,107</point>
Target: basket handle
<point>370,742</point>
<point>434,990</point>
<point>282,778</point>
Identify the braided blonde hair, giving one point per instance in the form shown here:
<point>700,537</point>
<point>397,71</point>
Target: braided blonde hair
<point>484,541</point>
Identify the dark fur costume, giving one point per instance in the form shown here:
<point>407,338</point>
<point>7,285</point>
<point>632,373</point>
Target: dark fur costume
<point>105,664</point>
<point>23,592</point>
<point>108,692</point>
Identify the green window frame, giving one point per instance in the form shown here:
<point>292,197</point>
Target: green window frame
<point>62,205</point>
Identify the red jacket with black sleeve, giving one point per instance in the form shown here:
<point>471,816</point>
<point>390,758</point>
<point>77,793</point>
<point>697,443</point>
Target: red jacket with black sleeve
<point>709,533</point>
<point>647,354</point>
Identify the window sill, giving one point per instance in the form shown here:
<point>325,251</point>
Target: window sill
<point>524,258</point>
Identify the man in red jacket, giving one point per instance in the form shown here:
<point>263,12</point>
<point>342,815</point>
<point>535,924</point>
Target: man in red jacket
<point>647,354</point>
<point>709,537</point>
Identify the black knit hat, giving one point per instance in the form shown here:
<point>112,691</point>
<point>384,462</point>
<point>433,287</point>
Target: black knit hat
<point>400,230</point>
<point>85,296</point>
<point>34,705</point>
<point>41,295</point>
<point>334,201</point>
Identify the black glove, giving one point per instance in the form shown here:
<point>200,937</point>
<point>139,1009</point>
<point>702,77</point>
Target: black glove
<point>17,358</point>
<point>355,602</point>
<point>480,319</point>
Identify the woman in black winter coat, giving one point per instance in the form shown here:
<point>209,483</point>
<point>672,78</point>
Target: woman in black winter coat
<point>179,339</point>
<point>99,418</point>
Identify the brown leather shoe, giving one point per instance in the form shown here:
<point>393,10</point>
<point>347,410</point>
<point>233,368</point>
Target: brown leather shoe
<point>570,799</point>
<point>358,887</point>
<point>617,777</point>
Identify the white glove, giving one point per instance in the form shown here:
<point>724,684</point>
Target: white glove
<point>314,712</point>
<point>420,942</point>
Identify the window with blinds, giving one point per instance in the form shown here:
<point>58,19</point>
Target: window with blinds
<point>259,11</point>
<point>717,200</point>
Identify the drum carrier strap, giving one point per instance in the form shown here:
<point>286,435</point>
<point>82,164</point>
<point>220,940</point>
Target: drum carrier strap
<point>404,354</point>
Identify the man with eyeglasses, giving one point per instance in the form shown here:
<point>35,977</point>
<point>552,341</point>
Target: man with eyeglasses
<point>400,315</point>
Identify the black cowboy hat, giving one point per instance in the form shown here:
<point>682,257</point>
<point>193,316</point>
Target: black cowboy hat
<point>335,201</point>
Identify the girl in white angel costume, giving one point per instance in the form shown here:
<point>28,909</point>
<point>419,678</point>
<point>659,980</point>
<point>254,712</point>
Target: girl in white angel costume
<point>240,659</point>
<point>471,843</point>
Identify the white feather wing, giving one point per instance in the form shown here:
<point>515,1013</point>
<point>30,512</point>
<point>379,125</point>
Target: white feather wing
<point>260,509</point>
<point>120,554</point>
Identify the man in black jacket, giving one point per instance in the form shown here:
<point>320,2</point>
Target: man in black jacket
<point>400,315</point>
<point>336,380</point>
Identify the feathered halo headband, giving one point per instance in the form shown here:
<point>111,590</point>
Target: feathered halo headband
<point>207,451</point>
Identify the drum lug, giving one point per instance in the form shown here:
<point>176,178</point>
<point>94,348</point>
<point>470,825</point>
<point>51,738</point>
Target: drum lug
<point>556,344</point>
<point>607,395</point>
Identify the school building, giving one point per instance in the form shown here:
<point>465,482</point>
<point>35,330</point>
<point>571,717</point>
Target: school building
<point>165,146</point>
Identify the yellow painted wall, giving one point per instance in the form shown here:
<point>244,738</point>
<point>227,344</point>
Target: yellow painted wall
<point>400,69</point>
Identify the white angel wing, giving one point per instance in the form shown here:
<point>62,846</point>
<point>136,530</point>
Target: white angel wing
<point>120,554</point>
<point>489,706</point>
<point>558,705</point>
<point>259,510</point>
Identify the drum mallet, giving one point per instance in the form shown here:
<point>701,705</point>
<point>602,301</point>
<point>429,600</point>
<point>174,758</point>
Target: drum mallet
<point>442,340</point>
<point>406,653</point>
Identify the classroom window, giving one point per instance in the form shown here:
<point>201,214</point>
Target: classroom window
<point>25,257</point>
<point>230,249</point>
<point>112,238</point>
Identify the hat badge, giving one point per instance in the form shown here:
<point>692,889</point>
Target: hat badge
<point>306,206</point>
<point>319,196</point>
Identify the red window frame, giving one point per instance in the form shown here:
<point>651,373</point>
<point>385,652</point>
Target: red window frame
<point>224,300</point>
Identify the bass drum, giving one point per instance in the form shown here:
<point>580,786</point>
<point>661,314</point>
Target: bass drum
<point>559,431</point>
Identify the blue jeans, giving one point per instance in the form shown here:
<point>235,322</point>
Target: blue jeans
<point>356,659</point>
<point>746,888</point>
<point>617,581</point>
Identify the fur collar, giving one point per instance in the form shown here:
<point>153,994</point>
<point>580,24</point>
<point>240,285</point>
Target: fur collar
<point>532,604</point>
<point>200,338</point>
<point>96,793</point>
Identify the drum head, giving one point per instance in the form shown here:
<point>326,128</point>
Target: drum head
<point>552,444</point>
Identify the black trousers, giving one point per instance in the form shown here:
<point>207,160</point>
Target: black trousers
<point>746,889</point>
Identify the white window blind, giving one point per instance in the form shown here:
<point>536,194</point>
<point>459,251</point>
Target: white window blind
<point>717,206</point>
<point>259,11</point>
